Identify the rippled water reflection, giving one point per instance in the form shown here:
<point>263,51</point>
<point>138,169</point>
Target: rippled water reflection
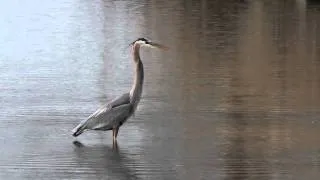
<point>236,97</point>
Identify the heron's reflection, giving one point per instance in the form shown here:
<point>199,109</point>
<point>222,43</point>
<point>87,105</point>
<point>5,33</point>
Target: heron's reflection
<point>115,146</point>
<point>105,161</point>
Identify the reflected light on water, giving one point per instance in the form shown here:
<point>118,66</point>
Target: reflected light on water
<point>236,97</point>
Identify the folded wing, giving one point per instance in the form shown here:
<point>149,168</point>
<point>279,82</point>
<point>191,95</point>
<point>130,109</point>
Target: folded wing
<point>107,116</point>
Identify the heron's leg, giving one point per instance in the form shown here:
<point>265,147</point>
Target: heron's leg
<point>115,133</point>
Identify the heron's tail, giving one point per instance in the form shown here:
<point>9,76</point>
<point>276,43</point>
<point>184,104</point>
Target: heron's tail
<point>78,130</point>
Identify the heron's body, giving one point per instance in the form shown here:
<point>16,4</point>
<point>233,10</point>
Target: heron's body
<point>112,115</point>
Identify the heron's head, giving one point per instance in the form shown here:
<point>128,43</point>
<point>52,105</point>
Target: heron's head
<point>143,42</point>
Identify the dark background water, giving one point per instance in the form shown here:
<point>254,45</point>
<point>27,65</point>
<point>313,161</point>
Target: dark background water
<point>236,97</point>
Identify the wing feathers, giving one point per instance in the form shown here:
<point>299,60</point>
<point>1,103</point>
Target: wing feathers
<point>107,116</point>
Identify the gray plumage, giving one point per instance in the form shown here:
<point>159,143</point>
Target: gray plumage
<point>107,116</point>
<point>112,115</point>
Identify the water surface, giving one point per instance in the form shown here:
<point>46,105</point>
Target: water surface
<point>236,97</point>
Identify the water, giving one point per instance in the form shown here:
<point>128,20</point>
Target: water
<point>236,97</point>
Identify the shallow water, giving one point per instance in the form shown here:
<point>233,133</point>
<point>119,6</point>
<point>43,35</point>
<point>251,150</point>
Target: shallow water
<point>236,97</point>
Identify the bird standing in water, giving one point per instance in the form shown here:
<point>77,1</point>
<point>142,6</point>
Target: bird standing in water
<point>112,115</point>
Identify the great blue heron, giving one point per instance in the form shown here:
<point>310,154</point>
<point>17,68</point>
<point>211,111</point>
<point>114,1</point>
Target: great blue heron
<point>112,115</point>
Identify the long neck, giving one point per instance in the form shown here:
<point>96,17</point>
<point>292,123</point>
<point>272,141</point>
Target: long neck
<point>136,90</point>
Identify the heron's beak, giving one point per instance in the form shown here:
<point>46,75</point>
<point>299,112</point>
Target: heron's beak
<point>159,46</point>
